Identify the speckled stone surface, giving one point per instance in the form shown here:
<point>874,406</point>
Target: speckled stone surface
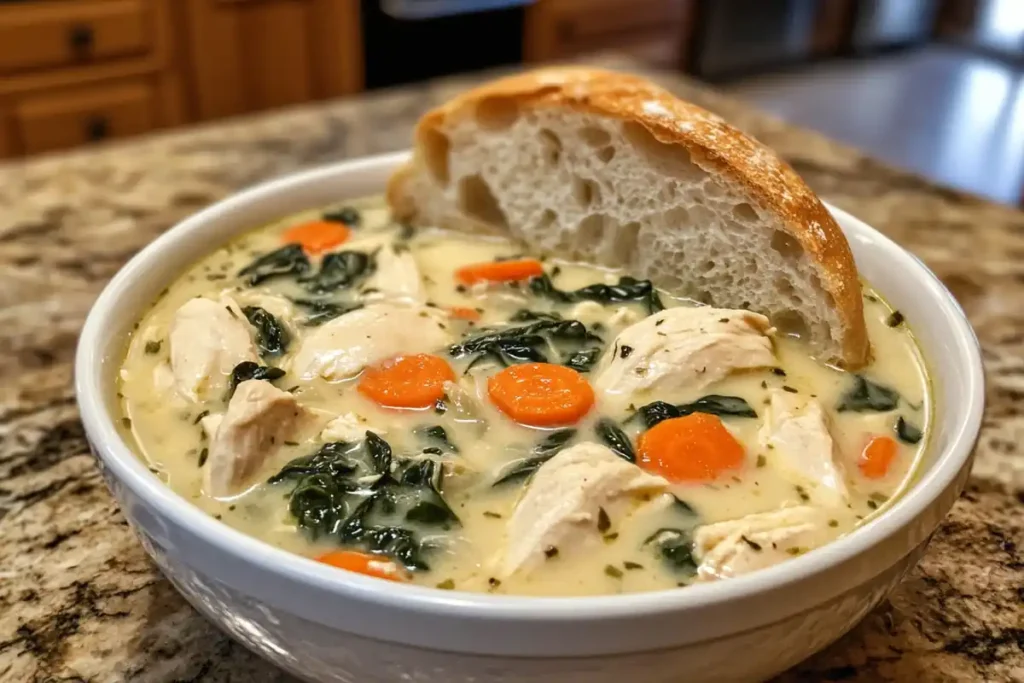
<point>79,599</point>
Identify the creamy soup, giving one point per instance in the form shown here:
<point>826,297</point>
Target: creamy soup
<point>450,410</point>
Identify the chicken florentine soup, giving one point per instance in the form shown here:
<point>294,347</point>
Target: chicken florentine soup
<point>446,409</point>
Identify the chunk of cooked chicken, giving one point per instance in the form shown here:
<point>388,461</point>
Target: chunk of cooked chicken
<point>795,437</point>
<point>397,276</point>
<point>737,546</point>
<point>259,418</point>
<point>349,428</point>
<point>562,505</point>
<point>682,349</point>
<point>207,340</point>
<point>344,346</point>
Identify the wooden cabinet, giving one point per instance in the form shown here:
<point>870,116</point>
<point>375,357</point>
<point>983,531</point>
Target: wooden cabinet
<point>53,34</point>
<point>77,116</point>
<point>79,71</point>
<point>246,55</point>
<point>654,31</point>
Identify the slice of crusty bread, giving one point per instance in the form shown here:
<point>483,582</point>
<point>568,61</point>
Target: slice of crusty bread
<point>608,168</point>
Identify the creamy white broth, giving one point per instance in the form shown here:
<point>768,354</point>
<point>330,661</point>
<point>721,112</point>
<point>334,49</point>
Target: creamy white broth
<point>166,429</point>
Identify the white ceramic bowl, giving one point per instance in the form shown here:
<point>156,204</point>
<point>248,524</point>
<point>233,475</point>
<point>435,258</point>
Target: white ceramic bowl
<point>326,625</point>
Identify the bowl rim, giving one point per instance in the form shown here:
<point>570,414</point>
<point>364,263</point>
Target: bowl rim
<point>128,469</point>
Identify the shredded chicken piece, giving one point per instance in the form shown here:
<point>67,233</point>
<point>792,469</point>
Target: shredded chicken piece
<point>260,417</point>
<point>682,349</point>
<point>208,339</point>
<point>562,505</point>
<point>795,436</point>
<point>344,346</point>
<point>739,546</point>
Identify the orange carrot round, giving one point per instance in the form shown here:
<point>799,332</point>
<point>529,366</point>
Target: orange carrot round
<point>464,313</point>
<point>317,236</point>
<point>878,456</point>
<point>415,381</point>
<point>499,271</point>
<point>363,563</point>
<point>541,394</point>
<point>695,447</point>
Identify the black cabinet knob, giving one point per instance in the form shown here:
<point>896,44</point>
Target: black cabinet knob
<point>97,128</point>
<point>81,39</point>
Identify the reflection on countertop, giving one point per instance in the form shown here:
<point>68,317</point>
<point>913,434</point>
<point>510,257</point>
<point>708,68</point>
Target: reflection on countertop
<point>79,599</point>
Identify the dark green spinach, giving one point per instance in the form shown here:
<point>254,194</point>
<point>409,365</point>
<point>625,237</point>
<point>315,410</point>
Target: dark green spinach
<point>436,434</point>
<point>339,270</point>
<point>552,444</point>
<point>320,311</point>
<point>675,547</point>
<point>627,290</point>
<point>348,215</point>
<point>867,396</point>
<point>247,370</point>
<point>584,359</point>
<point>616,439</point>
<point>522,344</point>
<point>288,260</point>
<point>714,404</point>
<point>272,337</point>
<point>907,432</point>
<point>365,497</point>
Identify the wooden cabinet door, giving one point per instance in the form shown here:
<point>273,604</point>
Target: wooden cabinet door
<point>79,116</point>
<point>40,35</point>
<point>247,55</point>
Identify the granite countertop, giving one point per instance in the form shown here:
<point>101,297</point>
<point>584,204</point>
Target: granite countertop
<point>80,600</point>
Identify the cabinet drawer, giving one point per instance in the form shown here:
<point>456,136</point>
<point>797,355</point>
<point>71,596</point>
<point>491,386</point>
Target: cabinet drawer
<point>52,34</point>
<point>55,121</point>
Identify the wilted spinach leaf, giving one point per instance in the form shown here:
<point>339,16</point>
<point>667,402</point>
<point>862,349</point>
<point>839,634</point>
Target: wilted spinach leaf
<point>907,432</point>
<point>321,311</point>
<point>522,344</point>
<point>675,548</point>
<point>628,289</point>
<point>616,439</point>
<point>247,370</point>
<point>714,404</point>
<point>339,270</point>
<point>437,434</point>
<point>348,215</point>
<point>288,260</point>
<point>336,494</point>
<point>867,396</point>
<point>541,453</point>
<point>271,336</point>
<point>583,360</point>
<point>380,452</point>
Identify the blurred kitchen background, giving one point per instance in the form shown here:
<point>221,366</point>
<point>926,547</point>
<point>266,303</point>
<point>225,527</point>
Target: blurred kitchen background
<point>935,86</point>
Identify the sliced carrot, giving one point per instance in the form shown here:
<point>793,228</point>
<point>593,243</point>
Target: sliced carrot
<point>464,313</point>
<point>407,381</point>
<point>499,271</point>
<point>878,456</point>
<point>541,394</point>
<point>363,563</point>
<point>695,447</point>
<point>317,236</point>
